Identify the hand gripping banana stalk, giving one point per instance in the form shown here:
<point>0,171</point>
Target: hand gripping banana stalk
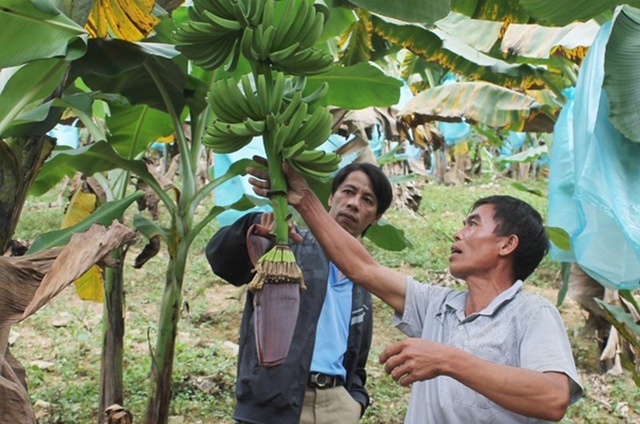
<point>278,41</point>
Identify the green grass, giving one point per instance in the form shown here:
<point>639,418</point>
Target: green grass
<point>60,345</point>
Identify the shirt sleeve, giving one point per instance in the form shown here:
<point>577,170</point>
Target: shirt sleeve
<point>227,251</point>
<point>422,302</point>
<point>545,347</point>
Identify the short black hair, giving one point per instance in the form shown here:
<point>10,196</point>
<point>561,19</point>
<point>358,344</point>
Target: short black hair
<point>379,182</point>
<point>515,216</point>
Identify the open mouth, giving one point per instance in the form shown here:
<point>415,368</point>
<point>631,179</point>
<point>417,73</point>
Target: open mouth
<point>455,250</point>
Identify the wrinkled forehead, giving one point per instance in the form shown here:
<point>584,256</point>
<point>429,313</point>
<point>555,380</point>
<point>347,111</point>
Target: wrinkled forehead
<point>359,181</point>
<point>483,213</point>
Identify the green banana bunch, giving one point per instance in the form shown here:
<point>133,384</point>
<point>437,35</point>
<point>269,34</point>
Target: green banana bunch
<point>228,102</point>
<point>316,163</point>
<point>244,112</point>
<point>287,45</point>
<point>215,28</point>
<point>223,137</point>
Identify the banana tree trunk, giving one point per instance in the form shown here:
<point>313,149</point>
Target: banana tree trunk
<point>4,342</point>
<point>20,161</point>
<point>111,369</point>
<point>162,359</point>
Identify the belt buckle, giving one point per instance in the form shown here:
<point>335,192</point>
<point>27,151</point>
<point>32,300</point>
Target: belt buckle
<point>321,381</point>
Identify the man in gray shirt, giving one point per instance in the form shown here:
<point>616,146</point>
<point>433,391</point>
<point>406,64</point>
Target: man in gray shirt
<point>489,354</point>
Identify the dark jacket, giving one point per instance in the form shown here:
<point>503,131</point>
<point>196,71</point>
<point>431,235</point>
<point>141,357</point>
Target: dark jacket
<point>275,395</point>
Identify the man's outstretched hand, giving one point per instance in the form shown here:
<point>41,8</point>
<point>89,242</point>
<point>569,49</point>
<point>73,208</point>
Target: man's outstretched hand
<point>267,225</point>
<point>297,186</point>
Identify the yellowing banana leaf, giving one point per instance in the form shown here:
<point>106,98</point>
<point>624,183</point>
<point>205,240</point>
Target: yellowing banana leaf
<point>80,206</point>
<point>355,41</point>
<point>35,29</point>
<point>477,102</point>
<point>82,252</point>
<point>484,36</point>
<point>492,10</point>
<point>541,42</point>
<point>622,73</point>
<point>129,20</point>
<point>104,215</point>
<point>90,285</point>
<point>449,52</point>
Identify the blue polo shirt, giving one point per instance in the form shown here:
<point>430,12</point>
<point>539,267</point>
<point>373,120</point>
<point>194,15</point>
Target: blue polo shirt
<point>333,326</point>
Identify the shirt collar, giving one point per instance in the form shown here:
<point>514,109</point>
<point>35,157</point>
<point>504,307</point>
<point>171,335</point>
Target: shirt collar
<point>458,302</point>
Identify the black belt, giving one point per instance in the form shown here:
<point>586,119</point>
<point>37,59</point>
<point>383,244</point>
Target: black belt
<point>322,381</point>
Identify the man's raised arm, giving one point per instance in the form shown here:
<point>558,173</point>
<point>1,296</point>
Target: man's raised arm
<point>344,250</point>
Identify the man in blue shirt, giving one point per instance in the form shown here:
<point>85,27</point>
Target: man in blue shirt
<point>323,376</point>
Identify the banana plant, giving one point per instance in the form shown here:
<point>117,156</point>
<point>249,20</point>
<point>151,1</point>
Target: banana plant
<point>279,44</point>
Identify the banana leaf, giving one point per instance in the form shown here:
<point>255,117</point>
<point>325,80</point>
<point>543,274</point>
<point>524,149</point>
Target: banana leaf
<point>98,157</point>
<point>357,87</point>
<point>388,237</point>
<point>622,73</point>
<point>37,30</point>
<point>563,12</point>
<point>468,101</point>
<point>22,89</point>
<point>127,20</point>
<point>451,52</point>
<point>104,215</point>
<point>133,128</point>
<point>422,11</point>
<point>116,66</point>
<point>526,41</point>
<point>492,10</point>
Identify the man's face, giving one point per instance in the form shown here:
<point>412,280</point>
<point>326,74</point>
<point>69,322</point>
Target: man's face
<point>354,205</point>
<point>475,250</point>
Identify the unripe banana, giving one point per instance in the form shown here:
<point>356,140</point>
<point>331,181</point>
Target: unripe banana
<point>266,41</point>
<point>302,169</point>
<point>219,138</point>
<point>255,127</point>
<point>316,129</point>
<point>278,92</point>
<point>250,96</point>
<point>291,108</point>
<point>317,94</point>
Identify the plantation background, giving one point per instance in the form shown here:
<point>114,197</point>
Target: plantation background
<point>60,346</point>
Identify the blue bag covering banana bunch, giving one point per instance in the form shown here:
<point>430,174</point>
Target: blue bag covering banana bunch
<point>270,102</point>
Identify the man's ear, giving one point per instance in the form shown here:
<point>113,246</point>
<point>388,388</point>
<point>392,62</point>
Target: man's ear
<point>330,200</point>
<point>509,244</point>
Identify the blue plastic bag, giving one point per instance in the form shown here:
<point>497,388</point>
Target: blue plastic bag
<point>594,184</point>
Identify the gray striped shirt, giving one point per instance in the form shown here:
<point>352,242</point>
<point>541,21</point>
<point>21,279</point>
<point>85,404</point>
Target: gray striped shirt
<point>517,329</point>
